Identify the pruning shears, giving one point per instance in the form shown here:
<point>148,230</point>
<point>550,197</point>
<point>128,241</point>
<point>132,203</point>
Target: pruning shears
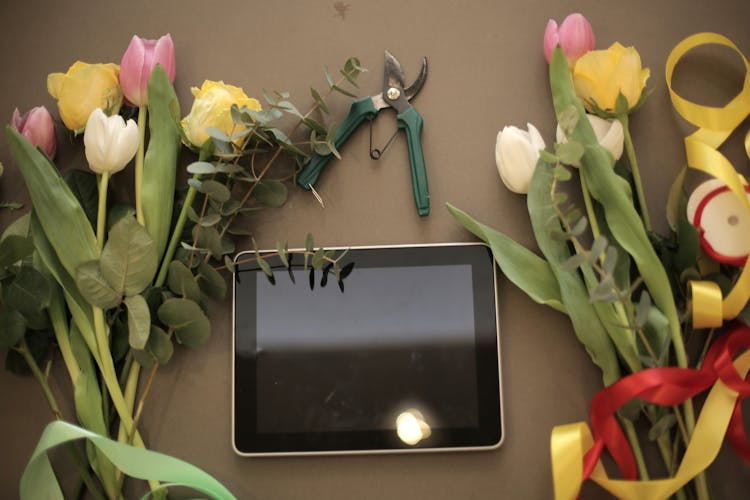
<point>395,95</point>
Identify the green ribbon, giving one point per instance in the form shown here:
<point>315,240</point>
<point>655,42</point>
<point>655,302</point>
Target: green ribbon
<point>38,480</point>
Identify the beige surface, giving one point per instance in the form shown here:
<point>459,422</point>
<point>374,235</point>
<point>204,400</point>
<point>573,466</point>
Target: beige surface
<point>486,71</point>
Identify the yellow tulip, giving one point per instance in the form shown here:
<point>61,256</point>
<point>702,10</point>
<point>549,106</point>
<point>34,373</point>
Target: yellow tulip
<point>211,108</point>
<point>600,75</point>
<point>84,88</point>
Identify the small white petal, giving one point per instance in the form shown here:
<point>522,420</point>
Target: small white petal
<point>609,133</point>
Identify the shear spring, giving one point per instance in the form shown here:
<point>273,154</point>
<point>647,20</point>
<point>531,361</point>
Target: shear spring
<point>376,153</point>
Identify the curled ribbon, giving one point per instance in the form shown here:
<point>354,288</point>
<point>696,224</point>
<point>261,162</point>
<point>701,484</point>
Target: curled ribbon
<point>715,125</point>
<point>576,450</point>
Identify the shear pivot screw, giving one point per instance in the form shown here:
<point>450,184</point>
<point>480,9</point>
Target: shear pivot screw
<point>393,93</point>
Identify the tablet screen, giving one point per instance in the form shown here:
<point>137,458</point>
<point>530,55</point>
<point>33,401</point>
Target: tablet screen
<point>411,341</point>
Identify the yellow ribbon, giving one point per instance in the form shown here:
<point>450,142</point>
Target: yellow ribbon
<point>569,444</point>
<point>715,125</point>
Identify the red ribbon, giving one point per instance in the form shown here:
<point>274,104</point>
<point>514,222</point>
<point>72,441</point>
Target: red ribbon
<point>669,386</point>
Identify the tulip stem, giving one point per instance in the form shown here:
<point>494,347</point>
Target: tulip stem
<point>101,217</point>
<point>161,278</point>
<point>630,151</point>
<point>139,156</point>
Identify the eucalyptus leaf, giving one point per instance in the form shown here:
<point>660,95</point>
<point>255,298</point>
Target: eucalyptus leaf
<point>319,100</point>
<point>570,152</point>
<point>208,238</point>
<point>271,193</point>
<point>191,325</point>
<point>139,321</point>
<point>662,425</point>
<point>129,260</point>
<point>94,288</point>
<point>215,190</point>
<point>181,281</point>
<point>160,345</point>
<point>201,167</point>
<point>211,282</point>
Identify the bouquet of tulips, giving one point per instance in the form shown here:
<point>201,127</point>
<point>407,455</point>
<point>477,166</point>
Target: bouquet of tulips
<point>626,289</point>
<point>112,286</point>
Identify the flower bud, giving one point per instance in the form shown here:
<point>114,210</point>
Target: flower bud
<point>609,134</point>
<point>211,108</point>
<point>600,76</point>
<point>37,126</point>
<point>516,155</point>
<point>110,143</point>
<point>574,36</point>
<point>139,61</point>
<point>84,88</point>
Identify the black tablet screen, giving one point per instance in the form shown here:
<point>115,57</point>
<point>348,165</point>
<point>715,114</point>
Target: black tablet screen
<point>413,333</point>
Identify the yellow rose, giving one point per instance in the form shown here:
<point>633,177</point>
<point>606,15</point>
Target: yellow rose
<point>211,108</point>
<point>84,88</point>
<point>600,75</point>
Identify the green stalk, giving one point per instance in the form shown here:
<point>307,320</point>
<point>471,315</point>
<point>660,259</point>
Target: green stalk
<point>632,436</point>
<point>142,114</point>
<point>176,233</point>
<point>101,218</point>
<point>630,151</point>
<point>91,485</point>
<point>593,222</point>
<point>131,386</point>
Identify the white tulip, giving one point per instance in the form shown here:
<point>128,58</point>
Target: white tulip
<point>609,134</point>
<point>516,155</point>
<point>110,143</point>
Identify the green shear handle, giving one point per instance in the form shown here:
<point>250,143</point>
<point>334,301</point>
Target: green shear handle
<point>360,110</point>
<point>411,121</point>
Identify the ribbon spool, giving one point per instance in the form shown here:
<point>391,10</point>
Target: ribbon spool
<point>574,449</point>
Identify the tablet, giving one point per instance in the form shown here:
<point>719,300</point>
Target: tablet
<point>404,358</point>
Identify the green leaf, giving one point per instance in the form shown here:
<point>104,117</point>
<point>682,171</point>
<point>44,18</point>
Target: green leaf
<point>182,282</point>
<point>60,214</point>
<point>271,193</point>
<point>266,268</point>
<point>344,92</point>
<point>211,281</point>
<point>139,321</point>
<point>317,259</point>
<point>129,259</point>
<point>12,327</point>
<point>85,188</point>
<point>94,288</point>
<point>662,425</point>
<point>570,153</point>
<point>14,248</point>
<point>191,325</point>
<point>29,292</point>
<point>160,162</point>
<point>561,173</point>
<point>526,270</point>
<point>568,119</point>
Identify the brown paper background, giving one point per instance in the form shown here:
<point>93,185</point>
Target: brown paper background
<point>486,71</point>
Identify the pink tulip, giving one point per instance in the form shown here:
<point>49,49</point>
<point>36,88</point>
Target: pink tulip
<point>575,36</point>
<point>138,62</point>
<point>37,126</point>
